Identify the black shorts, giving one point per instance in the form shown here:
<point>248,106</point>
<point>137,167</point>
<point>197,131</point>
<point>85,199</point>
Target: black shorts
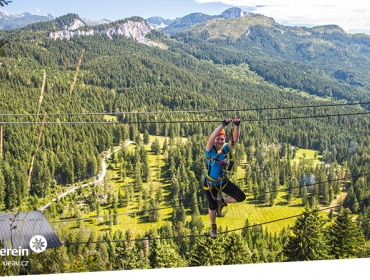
<point>230,189</point>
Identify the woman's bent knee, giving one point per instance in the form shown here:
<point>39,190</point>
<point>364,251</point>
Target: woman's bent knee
<point>241,197</point>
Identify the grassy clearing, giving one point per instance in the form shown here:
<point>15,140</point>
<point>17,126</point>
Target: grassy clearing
<point>235,214</point>
<point>110,118</point>
<point>311,156</point>
<point>127,216</point>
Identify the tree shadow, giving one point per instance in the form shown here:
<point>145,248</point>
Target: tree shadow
<point>75,227</point>
<point>264,205</point>
<point>295,205</point>
<point>252,201</point>
<point>165,174</point>
<point>118,179</point>
<point>144,220</point>
<point>169,219</point>
<point>283,203</point>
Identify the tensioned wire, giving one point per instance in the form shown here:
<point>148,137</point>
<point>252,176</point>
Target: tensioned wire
<point>192,111</point>
<point>206,234</point>
<point>195,121</point>
<point>204,111</point>
<point>294,216</point>
<point>193,204</point>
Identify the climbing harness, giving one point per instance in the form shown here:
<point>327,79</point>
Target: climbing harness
<point>225,166</point>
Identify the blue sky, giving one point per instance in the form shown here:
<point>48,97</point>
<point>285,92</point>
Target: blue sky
<point>353,16</point>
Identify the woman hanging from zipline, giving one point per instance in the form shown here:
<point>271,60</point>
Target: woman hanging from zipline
<point>219,161</point>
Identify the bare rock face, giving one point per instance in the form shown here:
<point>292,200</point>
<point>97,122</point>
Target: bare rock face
<point>76,24</point>
<point>234,13</point>
<point>129,29</point>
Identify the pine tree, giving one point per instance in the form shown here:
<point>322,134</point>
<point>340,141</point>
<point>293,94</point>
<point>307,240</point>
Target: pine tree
<point>207,252</point>
<point>154,213</point>
<point>101,247</point>
<point>121,199</point>
<point>125,252</point>
<point>350,199</point>
<point>236,251</point>
<point>155,147</point>
<point>92,240</point>
<point>363,221</point>
<point>313,201</point>
<point>308,241</point>
<point>165,145</point>
<point>345,238</point>
<point>196,222</point>
<point>163,255</point>
<point>146,137</point>
<point>247,233</point>
<point>181,213</point>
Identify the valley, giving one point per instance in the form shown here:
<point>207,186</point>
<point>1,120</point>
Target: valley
<point>123,124</point>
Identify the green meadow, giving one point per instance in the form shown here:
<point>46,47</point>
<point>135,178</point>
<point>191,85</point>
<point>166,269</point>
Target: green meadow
<point>308,155</point>
<point>273,218</point>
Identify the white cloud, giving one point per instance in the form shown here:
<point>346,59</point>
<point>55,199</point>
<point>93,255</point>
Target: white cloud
<point>350,15</point>
<point>37,9</point>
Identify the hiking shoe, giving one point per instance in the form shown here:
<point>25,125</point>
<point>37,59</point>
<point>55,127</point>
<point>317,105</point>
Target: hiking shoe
<point>220,205</point>
<point>213,232</point>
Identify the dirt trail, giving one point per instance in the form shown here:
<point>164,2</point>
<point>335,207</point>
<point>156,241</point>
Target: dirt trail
<point>337,201</point>
<point>97,181</point>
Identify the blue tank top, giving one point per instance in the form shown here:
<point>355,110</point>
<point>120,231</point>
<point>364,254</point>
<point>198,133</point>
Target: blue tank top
<point>217,162</point>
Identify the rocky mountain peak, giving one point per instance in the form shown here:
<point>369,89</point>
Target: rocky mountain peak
<point>158,22</point>
<point>234,13</point>
<point>51,16</point>
<point>3,14</point>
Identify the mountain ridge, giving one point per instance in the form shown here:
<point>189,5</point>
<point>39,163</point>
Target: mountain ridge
<point>299,54</point>
<point>194,19</point>
<point>8,21</point>
<point>155,22</point>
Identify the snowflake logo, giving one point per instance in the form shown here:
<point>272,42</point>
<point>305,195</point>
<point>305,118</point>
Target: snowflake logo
<point>38,244</point>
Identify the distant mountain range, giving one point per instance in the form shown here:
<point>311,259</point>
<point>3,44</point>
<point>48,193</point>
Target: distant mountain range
<point>8,21</point>
<point>295,57</point>
<point>193,19</point>
<point>94,22</point>
<point>168,26</point>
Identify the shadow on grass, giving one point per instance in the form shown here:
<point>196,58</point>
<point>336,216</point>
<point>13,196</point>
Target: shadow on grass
<point>165,174</point>
<point>75,227</point>
<point>169,219</point>
<point>282,203</point>
<point>295,205</point>
<point>90,222</point>
<point>146,220</point>
<point>118,179</point>
<point>252,201</point>
<point>264,205</point>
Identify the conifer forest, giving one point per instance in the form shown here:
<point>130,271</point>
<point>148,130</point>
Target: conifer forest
<point>73,109</point>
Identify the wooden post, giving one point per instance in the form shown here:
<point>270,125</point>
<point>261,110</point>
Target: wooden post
<point>1,142</point>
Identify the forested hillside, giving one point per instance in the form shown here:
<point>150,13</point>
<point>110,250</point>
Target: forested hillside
<point>292,91</point>
<point>324,61</point>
